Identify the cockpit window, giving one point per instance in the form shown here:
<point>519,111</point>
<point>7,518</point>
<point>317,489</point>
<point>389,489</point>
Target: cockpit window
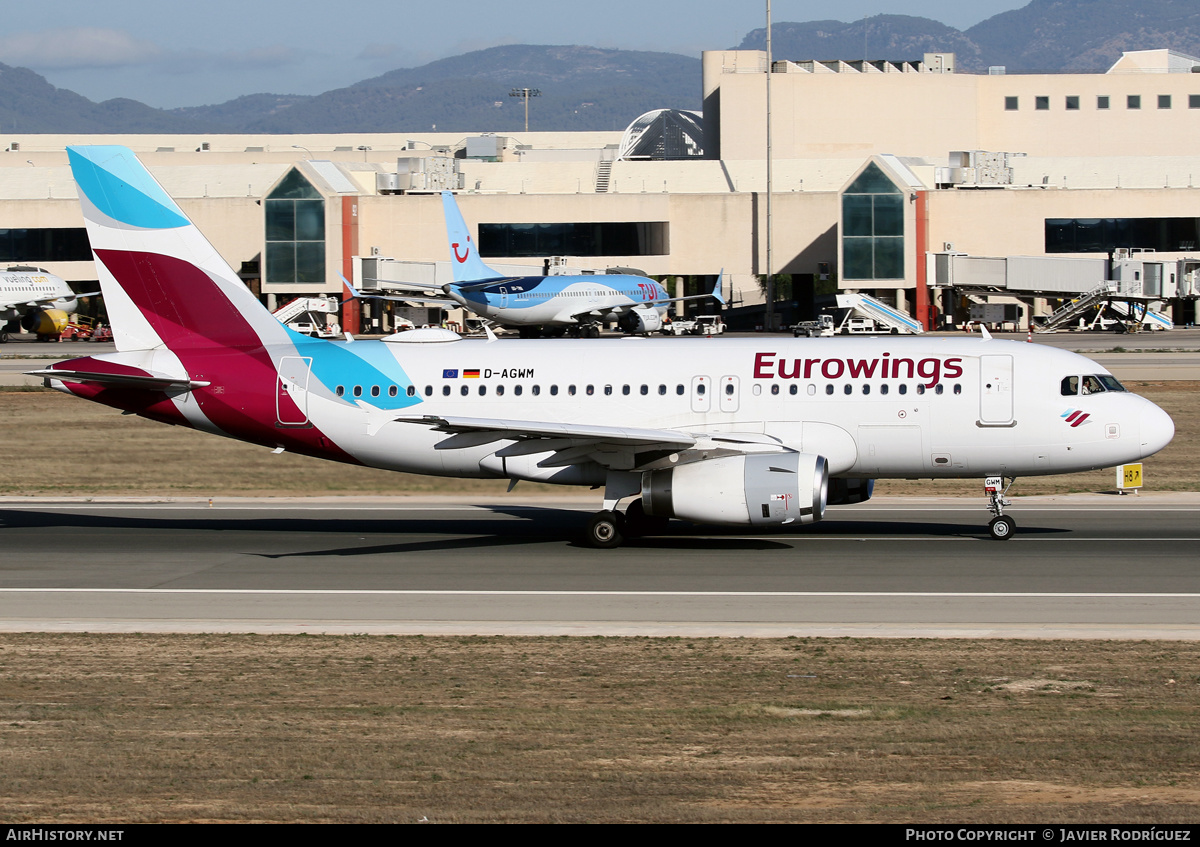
<point>1070,386</point>
<point>1110,383</point>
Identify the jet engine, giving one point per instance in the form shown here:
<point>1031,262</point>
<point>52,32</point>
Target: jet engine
<point>45,321</point>
<point>760,489</point>
<point>640,321</point>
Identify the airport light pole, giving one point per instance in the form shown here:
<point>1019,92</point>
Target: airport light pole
<point>769,319</point>
<point>525,93</point>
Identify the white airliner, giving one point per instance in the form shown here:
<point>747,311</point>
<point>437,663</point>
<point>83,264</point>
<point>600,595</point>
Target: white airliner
<point>757,432</point>
<point>579,303</point>
<point>34,299</point>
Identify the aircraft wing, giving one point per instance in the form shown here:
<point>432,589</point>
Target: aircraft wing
<point>569,443</point>
<point>149,381</point>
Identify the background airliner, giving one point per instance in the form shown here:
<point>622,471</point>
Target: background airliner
<point>35,300</point>
<point>578,303</point>
<point>763,431</point>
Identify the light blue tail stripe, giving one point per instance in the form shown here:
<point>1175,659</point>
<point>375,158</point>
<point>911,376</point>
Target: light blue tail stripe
<point>116,183</point>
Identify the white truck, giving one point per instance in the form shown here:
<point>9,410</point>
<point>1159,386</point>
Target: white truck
<point>700,325</point>
<point>822,327</point>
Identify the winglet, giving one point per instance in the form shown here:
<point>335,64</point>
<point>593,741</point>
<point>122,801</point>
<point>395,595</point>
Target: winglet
<point>717,293</point>
<point>355,294</point>
<point>466,262</point>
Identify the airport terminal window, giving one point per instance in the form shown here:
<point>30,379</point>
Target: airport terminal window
<point>1133,101</point>
<point>873,227</point>
<point>617,238</point>
<point>1102,101</point>
<point>1042,104</point>
<point>1100,235</point>
<point>46,244</point>
<point>1011,104</point>
<point>1072,103</point>
<point>1164,101</point>
<point>295,230</point>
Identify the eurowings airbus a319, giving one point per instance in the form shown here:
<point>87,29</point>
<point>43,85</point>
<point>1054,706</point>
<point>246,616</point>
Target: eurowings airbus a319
<point>574,304</point>
<point>757,432</point>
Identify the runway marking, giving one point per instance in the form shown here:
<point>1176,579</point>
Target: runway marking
<point>289,592</point>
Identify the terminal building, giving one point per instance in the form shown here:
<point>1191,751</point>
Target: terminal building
<point>927,188</point>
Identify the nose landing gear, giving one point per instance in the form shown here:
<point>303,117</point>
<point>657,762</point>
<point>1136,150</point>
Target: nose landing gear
<point>1001,527</point>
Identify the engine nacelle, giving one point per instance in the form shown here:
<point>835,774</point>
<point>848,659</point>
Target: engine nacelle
<point>45,321</point>
<point>639,321</point>
<point>844,492</point>
<point>760,489</point>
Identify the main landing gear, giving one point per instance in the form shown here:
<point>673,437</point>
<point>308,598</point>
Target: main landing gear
<point>610,528</point>
<point>1001,526</point>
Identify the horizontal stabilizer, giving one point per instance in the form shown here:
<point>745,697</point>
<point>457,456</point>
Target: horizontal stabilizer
<point>149,382</point>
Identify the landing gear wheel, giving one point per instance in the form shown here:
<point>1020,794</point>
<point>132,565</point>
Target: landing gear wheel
<point>1002,528</point>
<point>605,530</point>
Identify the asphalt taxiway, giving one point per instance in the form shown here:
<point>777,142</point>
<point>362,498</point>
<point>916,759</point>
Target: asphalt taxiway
<point>1091,566</point>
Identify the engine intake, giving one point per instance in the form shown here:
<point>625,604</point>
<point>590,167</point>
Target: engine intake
<point>760,489</point>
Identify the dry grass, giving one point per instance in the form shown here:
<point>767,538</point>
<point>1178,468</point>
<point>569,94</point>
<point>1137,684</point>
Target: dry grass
<point>304,728</point>
<point>58,445</point>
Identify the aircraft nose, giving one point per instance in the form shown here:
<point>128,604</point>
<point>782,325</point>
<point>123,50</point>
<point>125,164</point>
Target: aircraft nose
<point>1157,428</point>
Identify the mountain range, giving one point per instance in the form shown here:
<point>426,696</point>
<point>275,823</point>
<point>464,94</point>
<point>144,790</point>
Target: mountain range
<point>589,88</point>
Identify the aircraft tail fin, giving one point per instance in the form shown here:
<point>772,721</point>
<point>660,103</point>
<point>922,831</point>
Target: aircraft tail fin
<point>467,265</point>
<point>164,284</point>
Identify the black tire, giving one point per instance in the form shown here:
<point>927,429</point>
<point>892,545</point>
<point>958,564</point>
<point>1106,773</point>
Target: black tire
<point>605,530</point>
<point>1002,528</point>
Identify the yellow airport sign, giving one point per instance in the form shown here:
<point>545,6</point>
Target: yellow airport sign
<point>1129,477</point>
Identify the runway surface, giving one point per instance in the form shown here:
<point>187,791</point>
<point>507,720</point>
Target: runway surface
<point>1088,566</point>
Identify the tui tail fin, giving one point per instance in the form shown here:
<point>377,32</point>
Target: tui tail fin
<point>468,267</point>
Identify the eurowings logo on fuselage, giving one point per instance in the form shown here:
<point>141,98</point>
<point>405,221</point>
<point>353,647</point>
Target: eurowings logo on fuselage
<point>1075,417</point>
<point>929,370</point>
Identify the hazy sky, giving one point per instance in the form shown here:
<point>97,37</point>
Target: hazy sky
<point>187,54</point>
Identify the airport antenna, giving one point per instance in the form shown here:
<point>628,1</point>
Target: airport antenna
<point>525,93</point>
